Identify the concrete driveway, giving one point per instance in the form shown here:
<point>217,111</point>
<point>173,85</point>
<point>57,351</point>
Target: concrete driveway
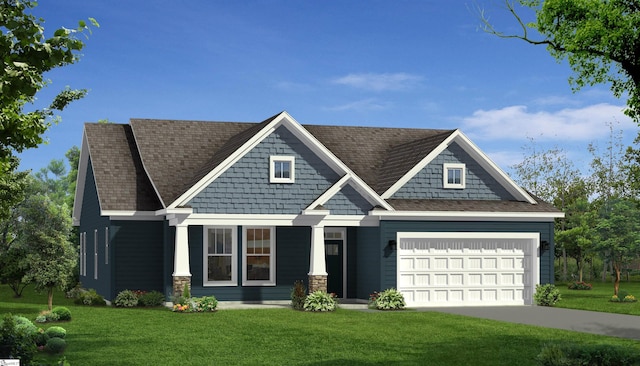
<point>615,325</point>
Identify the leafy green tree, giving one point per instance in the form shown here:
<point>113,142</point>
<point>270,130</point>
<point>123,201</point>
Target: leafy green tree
<point>27,55</point>
<point>618,230</point>
<point>44,234</point>
<point>599,39</point>
<point>576,238</point>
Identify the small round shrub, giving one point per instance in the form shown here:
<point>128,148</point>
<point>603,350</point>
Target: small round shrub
<point>320,301</point>
<point>55,345</point>
<point>390,299</point>
<point>15,343</point>
<point>41,338</point>
<point>62,312</point>
<point>546,295</point>
<point>153,298</point>
<point>90,297</point>
<point>24,325</point>
<point>206,304</point>
<point>126,299</point>
<point>56,332</point>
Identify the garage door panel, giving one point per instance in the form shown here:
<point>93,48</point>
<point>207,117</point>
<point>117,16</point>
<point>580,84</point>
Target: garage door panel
<point>451,271</point>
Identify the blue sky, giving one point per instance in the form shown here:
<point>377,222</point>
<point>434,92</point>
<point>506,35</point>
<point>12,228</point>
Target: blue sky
<point>422,64</point>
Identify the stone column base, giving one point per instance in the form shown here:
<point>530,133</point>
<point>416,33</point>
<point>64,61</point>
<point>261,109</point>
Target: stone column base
<point>179,282</point>
<point>317,283</point>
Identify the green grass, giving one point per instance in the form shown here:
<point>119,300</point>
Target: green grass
<point>597,299</point>
<point>107,336</point>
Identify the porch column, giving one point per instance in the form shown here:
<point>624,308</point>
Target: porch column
<point>317,263</point>
<point>181,271</point>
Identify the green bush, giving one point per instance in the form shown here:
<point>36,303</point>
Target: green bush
<point>47,316</point>
<point>298,295</point>
<point>588,354</point>
<point>25,325</point>
<point>580,286</point>
<point>56,332</point>
<point>16,343</point>
<point>126,299</point>
<point>389,299</point>
<point>62,312</point>
<point>41,338</point>
<point>90,297</point>
<point>546,295</point>
<point>75,292</point>
<point>153,298</point>
<point>320,301</point>
<point>186,293</point>
<point>55,345</point>
<point>205,304</point>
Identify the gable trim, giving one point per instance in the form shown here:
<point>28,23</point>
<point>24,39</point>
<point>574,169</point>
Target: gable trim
<point>83,164</point>
<point>481,158</point>
<point>283,119</point>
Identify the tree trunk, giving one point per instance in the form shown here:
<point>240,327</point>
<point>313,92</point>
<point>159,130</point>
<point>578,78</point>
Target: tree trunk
<point>50,298</point>
<point>616,283</point>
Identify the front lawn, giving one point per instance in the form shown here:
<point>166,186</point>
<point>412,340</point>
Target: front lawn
<point>107,336</point>
<point>597,299</point>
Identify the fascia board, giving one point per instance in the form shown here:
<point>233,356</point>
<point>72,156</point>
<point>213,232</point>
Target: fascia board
<point>281,220</point>
<point>493,169</point>
<point>329,193</point>
<point>228,162</point>
<point>123,215</point>
<point>83,163</point>
<point>467,216</point>
<point>418,167</point>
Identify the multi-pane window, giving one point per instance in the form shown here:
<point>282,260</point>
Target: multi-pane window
<point>220,257</point>
<point>454,175</point>
<point>259,256</point>
<point>281,169</point>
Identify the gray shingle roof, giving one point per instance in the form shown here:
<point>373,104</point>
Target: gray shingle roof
<point>174,155</point>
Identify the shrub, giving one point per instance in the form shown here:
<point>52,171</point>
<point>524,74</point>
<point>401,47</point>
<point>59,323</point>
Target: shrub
<point>205,304</point>
<point>25,325</point>
<point>320,301</point>
<point>182,308</point>
<point>186,293</point>
<point>298,295</point>
<point>546,295</point>
<point>75,292</point>
<point>41,338</point>
<point>580,286</point>
<point>126,299</point>
<point>153,298</point>
<point>390,299</point>
<point>56,332</point>
<point>588,354</point>
<point>55,345</point>
<point>62,312</point>
<point>16,343</point>
<point>90,297</point>
<point>47,316</point>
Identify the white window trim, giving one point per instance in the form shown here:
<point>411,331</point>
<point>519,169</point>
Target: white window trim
<point>445,174</point>
<point>272,257</point>
<point>234,257</point>
<point>272,172</point>
<point>95,254</point>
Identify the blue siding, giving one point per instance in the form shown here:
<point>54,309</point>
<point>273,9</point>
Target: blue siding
<point>94,226</point>
<point>245,189</point>
<point>348,202</point>
<point>368,261</point>
<point>292,264</point>
<point>428,183</point>
<point>138,252</point>
<point>389,229</point>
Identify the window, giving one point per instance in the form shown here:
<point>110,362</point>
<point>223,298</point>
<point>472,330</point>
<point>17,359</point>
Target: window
<point>82,252</point>
<point>454,176</point>
<point>95,254</point>
<point>106,245</point>
<point>220,256</point>
<point>281,169</point>
<point>258,266</point>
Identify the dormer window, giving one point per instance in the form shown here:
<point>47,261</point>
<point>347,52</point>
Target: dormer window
<point>454,176</point>
<point>282,169</point>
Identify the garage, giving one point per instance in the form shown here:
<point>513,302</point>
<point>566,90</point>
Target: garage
<point>467,269</point>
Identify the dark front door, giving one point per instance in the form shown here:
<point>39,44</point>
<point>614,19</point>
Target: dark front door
<point>334,256</point>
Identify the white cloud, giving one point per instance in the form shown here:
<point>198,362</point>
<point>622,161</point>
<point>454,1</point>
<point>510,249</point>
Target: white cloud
<point>570,124</point>
<point>380,82</point>
<point>362,105</point>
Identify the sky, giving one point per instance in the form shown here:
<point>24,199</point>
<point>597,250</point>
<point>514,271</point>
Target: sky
<point>401,63</point>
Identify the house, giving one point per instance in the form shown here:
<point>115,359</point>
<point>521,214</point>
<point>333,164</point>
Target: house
<point>243,210</point>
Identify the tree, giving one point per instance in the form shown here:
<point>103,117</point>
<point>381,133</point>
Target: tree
<point>599,39</point>
<point>27,55</point>
<point>44,233</point>
<point>618,229</point>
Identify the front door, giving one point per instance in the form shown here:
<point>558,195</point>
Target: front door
<point>334,257</point>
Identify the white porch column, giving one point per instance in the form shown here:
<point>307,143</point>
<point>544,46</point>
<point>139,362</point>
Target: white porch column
<point>317,263</point>
<point>181,271</point>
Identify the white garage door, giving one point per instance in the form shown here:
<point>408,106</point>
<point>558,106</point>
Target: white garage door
<point>468,269</point>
